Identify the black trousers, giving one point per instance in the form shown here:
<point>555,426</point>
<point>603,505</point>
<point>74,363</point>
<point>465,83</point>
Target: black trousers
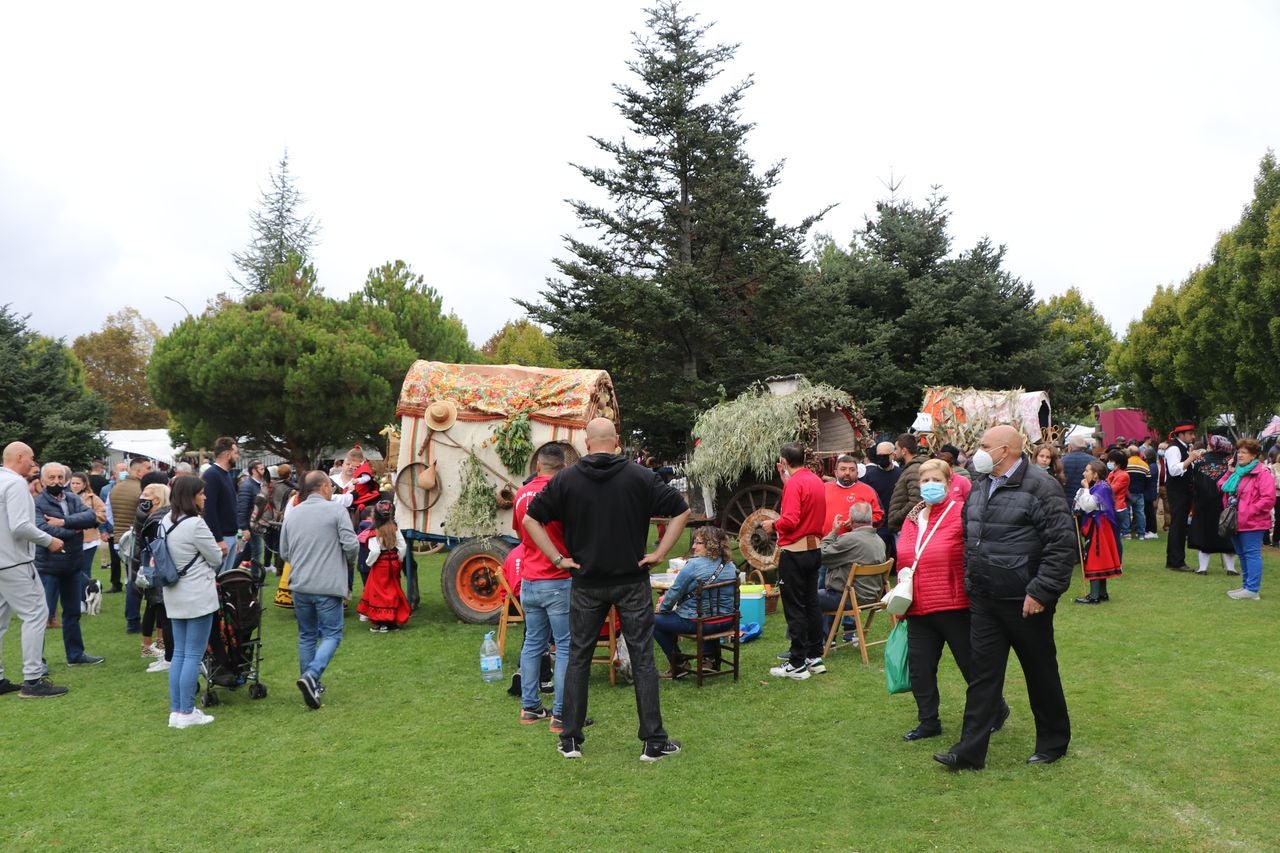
<point>995,627</point>
<point>115,563</point>
<point>798,580</point>
<point>926,636</point>
<point>588,608</point>
<point>1178,491</point>
<point>1152,500</point>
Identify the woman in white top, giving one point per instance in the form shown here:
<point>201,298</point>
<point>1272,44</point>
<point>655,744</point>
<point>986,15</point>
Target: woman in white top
<point>191,602</point>
<point>93,537</point>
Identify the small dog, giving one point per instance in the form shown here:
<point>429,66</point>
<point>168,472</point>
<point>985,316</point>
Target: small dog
<point>92,603</point>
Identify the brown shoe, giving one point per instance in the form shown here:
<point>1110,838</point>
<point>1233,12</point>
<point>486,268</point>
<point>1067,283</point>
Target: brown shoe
<point>53,623</point>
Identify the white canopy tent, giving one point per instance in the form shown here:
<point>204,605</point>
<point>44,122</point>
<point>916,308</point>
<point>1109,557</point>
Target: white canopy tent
<point>155,444</point>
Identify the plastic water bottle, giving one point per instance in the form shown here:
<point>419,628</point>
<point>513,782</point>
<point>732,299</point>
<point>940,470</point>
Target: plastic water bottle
<point>490,660</point>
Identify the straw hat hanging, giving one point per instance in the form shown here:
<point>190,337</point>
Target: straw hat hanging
<point>441,415</point>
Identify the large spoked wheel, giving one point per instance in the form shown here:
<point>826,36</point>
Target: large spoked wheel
<point>469,580</point>
<point>747,500</point>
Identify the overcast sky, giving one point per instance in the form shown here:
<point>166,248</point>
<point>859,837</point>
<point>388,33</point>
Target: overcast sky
<point>1106,144</point>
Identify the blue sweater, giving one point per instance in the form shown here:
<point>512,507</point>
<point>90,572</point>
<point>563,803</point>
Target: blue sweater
<point>219,502</point>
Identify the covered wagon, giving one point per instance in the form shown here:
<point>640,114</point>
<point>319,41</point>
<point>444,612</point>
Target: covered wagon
<point>960,416</point>
<point>732,475</point>
<point>469,434</point>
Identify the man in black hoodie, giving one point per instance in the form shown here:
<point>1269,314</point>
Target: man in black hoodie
<point>605,503</point>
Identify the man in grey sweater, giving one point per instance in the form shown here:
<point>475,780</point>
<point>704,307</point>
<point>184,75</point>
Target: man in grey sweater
<point>318,541</point>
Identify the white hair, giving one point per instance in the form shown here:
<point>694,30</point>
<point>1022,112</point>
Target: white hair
<point>860,513</point>
<point>53,466</point>
<point>1078,441</point>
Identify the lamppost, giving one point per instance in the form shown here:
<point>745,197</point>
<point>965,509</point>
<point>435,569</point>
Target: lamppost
<point>179,304</point>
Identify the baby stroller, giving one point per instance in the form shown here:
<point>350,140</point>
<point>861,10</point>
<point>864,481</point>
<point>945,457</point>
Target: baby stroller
<point>234,654</point>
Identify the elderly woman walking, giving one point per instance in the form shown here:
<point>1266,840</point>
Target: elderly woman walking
<point>1252,487</point>
<point>1206,506</point>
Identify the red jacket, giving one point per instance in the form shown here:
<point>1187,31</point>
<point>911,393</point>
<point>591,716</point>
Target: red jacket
<point>939,580</point>
<point>839,500</point>
<point>804,508</point>
<point>1118,480</point>
<point>534,566</point>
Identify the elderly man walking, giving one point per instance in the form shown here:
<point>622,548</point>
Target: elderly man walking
<point>21,592</point>
<point>605,503</point>
<point>318,541</point>
<point>1020,551</point>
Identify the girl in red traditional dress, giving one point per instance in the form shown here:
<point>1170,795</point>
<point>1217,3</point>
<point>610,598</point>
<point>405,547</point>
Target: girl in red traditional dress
<point>383,600</point>
<point>1096,509</point>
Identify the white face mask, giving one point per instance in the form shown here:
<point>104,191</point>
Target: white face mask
<point>982,462</point>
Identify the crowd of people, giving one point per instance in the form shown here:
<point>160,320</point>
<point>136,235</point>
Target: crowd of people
<point>205,524</point>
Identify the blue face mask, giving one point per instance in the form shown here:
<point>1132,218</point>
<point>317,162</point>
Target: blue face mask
<point>1160,453</point>
<point>933,493</point>
<point>123,475</point>
<point>1111,466</point>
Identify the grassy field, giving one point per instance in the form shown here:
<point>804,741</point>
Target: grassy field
<point>1172,689</point>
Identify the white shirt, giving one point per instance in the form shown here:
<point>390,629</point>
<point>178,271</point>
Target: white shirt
<point>1173,461</point>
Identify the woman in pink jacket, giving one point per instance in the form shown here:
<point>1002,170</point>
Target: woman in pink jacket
<point>1253,488</point>
<point>932,542</point>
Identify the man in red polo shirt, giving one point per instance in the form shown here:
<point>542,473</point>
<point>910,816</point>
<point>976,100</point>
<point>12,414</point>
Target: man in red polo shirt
<point>544,596</point>
<point>800,529</point>
<point>845,491</point>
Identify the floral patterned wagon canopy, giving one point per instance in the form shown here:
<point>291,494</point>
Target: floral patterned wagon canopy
<point>499,391</point>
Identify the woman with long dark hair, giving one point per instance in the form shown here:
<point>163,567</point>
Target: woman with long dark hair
<point>192,601</point>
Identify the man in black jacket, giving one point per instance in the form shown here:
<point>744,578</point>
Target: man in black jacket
<point>1020,552</point>
<point>605,503</point>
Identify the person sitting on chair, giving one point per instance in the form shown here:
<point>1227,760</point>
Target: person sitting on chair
<point>678,607</point>
<point>851,542</point>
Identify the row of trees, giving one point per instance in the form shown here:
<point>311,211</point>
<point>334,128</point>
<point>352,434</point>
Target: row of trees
<point>692,291</point>
<point>1209,346</point>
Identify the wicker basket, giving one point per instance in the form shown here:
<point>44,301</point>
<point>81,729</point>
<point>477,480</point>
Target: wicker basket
<point>771,593</point>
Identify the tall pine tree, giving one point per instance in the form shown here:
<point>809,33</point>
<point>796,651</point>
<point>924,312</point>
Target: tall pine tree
<point>676,293</point>
<point>279,230</point>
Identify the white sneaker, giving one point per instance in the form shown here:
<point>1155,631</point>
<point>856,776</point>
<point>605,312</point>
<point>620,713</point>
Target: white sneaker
<point>364,618</point>
<point>788,671</point>
<point>1243,594</point>
<point>152,652</point>
<point>1151,536</point>
<point>161,665</point>
<point>815,665</point>
<point>186,721</point>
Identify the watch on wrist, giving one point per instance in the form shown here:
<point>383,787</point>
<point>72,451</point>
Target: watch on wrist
<point>558,560</point>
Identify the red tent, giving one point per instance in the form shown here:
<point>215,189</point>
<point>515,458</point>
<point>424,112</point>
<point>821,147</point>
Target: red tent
<point>1131,423</point>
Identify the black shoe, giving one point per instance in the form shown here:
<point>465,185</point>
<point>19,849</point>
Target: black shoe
<point>954,762</point>
<point>86,660</point>
<point>1043,758</point>
<point>41,688</point>
<point>133,629</point>
<point>310,690</point>
<point>1183,568</point>
<point>1088,599</point>
<point>570,748</point>
<point>114,589</point>
<point>922,732</point>
<point>1106,596</point>
<point>1004,718</point>
<point>547,687</point>
<point>659,751</point>
<point>7,686</point>
<point>515,688</point>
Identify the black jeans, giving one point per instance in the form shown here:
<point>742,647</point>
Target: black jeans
<point>1178,491</point>
<point>798,579</point>
<point>995,627</point>
<point>926,635</point>
<point>588,608</point>
<point>115,563</point>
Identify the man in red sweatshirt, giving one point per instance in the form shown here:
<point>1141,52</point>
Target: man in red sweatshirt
<point>845,491</point>
<point>800,529</point>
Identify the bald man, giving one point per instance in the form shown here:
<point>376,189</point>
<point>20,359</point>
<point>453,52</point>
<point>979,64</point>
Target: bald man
<point>882,476</point>
<point>604,503</point>
<point>21,592</point>
<point>1020,552</point>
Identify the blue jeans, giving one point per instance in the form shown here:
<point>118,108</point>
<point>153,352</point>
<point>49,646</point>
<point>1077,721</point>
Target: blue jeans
<point>1138,506</point>
<point>233,551</point>
<point>188,638</point>
<point>319,631</point>
<point>1248,545</point>
<point>1122,516</point>
<point>132,608</point>
<point>546,618</point>
<point>71,589</point>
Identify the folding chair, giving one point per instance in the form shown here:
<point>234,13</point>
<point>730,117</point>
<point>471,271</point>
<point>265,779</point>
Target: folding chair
<point>714,625</point>
<point>608,642</point>
<point>512,612</point>
<point>849,606</point>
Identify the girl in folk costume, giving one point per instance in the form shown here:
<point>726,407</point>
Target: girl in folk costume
<point>363,486</point>
<point>383,600</point>
<point>1096,509</point>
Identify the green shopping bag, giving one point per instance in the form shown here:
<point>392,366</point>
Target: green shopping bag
<point>896,675</point>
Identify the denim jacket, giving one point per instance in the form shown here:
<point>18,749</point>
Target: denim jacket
<point>699,570</point>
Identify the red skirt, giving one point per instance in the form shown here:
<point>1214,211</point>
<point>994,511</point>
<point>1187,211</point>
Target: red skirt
<point>382,599</point>
<point>1101,556</point>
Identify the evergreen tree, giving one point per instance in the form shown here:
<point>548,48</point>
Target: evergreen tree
<point>1081,344</point>
<point>278,231</point>
<point>673,297</point>
<point>43,399</point>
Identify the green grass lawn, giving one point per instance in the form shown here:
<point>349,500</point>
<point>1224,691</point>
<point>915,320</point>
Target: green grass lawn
<point>1172,689</point>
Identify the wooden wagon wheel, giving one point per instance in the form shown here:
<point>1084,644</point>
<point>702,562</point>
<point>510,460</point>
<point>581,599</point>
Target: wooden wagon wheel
<point>412,495</point>
<point>759,548</point>
<point>746,501</point>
